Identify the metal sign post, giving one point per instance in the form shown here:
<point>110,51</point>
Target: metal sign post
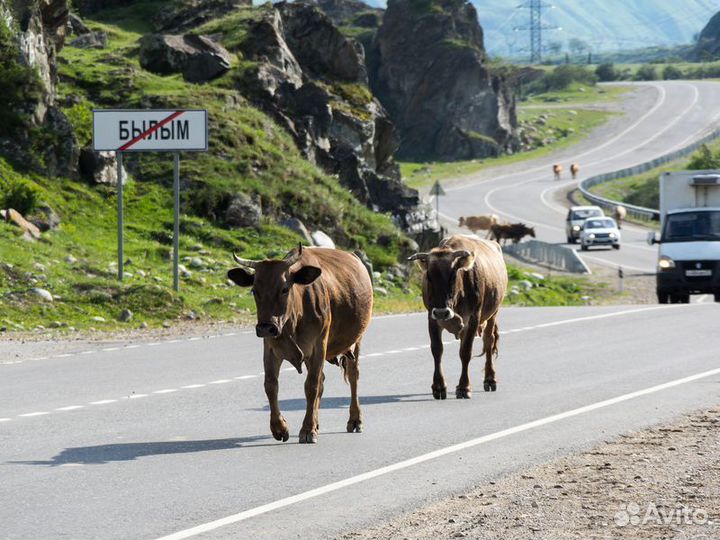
<point>150,131</point>
<point>438,191</point>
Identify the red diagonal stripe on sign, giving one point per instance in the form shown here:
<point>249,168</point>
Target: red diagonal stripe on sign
<point>150,131</point>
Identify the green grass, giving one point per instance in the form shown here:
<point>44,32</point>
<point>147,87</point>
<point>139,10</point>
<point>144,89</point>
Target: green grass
<point>578,94</point>
<point>563,126</point>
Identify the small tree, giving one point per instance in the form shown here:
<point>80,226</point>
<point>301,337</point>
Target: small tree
<point>646,73</point>
<point>704,159</point>
<point>671,73</point>
<point>577,46</point>
<point>606,73</point>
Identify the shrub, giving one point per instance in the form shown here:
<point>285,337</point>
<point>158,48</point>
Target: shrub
<point>646,73</point>
<point>704,159</point>
<point>562,77</point>
<point>671,73</point>
<point>606,73</point>
<point>21,196</point>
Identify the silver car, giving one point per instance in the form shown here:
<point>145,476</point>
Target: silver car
<point>599,232</point>
<point>576,219</point>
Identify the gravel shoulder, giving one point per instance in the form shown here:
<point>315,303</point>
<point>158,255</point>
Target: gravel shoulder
<point>662,482</point>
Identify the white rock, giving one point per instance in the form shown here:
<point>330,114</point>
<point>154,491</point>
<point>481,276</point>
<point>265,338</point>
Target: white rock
<point>70,259</point>
<point>321,239</point>
<point>42,293</point>
<point>98,319</point>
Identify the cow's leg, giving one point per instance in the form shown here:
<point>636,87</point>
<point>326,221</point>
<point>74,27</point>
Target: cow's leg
<point>439,388</point>
<point>313,385</point>
<point>278,425</point>
<point>354,424</point>
<point>464,388</point>
<point>491,338</point>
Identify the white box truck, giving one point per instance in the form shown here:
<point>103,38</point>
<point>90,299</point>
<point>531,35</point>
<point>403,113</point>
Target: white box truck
<point>689,252</point>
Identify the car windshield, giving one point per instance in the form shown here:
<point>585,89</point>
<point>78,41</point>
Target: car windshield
<point>599,224</point>
<point>691,226</point>
<point>584,214</point>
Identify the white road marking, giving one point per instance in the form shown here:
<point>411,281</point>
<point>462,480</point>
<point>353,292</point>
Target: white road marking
<point>393,351</point>
<point>28,415</point>
<point>111,349</point>
<point>5,419</point>
<point>63,355</point>
<point>335,486</point>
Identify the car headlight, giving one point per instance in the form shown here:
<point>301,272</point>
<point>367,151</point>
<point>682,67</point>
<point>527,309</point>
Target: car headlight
<point>576,227</point>
<point>613,235</point>
<point>666,263</point>
<point>591,236</point>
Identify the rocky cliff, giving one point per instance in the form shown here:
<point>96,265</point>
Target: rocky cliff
<point>708,44</point>
<point>313,80</point>
<point>33,130</point>
<point>431,75</point>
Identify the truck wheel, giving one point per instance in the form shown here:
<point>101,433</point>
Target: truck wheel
<point>616,246</point>
<point>717,296</point>
<point>663,297</point>
<point>570,240</point>
<point>583,247</point>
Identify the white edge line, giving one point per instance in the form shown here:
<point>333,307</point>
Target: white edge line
<point>287,501</point>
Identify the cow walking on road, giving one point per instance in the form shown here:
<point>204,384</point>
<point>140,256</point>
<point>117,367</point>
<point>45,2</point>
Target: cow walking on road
<point>479,223</point>
<point>512,231</point>
<point>314,305</point>
<point>619,213</point>
<point>574,170</point>
<point>557,171</point>
<point>464,283</point>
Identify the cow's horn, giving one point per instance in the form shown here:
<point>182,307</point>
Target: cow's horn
<point>245,262</point>
<point>461,253</point>
<point>418,257</point>
<point>292,258</point>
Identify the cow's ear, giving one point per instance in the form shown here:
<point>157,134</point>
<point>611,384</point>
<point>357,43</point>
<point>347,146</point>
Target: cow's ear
<point>464,262</point>
<point>241,277</point>
<point>306,275</point>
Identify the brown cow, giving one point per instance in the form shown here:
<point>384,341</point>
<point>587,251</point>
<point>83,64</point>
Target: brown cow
<point>314,305</point>
<point>619,213</point>
<point>478,223</point>
<point>557,171</point>
<point>514,232</point>
<point>574,170</point>
<point>464,283</point>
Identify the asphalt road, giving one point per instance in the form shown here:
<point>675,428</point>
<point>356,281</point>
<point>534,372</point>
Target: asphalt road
<point>146,440</point>
<point>661,117</point>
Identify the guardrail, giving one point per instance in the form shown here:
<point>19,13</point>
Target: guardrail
<point>638,212</point>
<point>555,256</point>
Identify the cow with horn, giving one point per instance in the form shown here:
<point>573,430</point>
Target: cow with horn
<point>464,283</point>
<point>312,306</point>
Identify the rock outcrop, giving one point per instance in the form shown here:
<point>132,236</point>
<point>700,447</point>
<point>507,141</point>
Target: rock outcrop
<point>181,16</point>
<point>313,80</point>
<point>198,58</point>
<point>431,76</point>
<point>708,43</point>
<point>31,33</point>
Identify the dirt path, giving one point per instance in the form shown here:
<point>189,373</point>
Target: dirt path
<point>662,482</point>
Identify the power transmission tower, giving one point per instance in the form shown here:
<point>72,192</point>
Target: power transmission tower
<point>536,27</point>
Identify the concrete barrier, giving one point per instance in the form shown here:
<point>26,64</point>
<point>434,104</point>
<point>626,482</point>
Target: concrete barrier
<point>555,256</point>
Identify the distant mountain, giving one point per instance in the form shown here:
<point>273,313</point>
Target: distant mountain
<point>605,25</point>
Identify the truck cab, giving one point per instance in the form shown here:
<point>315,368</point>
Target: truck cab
<point>689,252</point>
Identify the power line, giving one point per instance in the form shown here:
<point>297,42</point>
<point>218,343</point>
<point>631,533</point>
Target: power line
<point>536,27</point>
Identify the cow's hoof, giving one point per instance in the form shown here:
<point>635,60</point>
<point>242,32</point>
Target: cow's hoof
<point>490,386</point>
<point>439,393</point>
<point>463,393</point>
<point>308,437</point>
<point>354,426</point>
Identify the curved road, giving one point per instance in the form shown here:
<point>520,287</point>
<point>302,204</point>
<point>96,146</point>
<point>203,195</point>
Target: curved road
<point>663,117</point>
<point>171,438</point>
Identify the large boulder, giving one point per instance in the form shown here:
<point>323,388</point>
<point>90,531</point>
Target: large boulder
<point>100,167</point>
<point>183,15</point>
<point>432,78</point>
<point>243,211</point>
<point>198,58</point>
<point>355,12</point>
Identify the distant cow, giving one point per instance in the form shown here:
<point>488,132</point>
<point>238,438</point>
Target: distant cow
<point>619,213</point>
<point>574,170</point>
<point>514,232</point>
<point>478,223</point>
<point>314,305</point>
<point>464,283</point>
<point>557,171</point>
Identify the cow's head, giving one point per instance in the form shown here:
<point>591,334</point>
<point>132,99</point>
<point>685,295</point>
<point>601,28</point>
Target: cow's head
<point>531,231</point>
<point>441,268</point>
<point>273,284</point>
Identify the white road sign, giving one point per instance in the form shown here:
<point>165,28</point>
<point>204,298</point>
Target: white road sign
<point>150,130</point>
